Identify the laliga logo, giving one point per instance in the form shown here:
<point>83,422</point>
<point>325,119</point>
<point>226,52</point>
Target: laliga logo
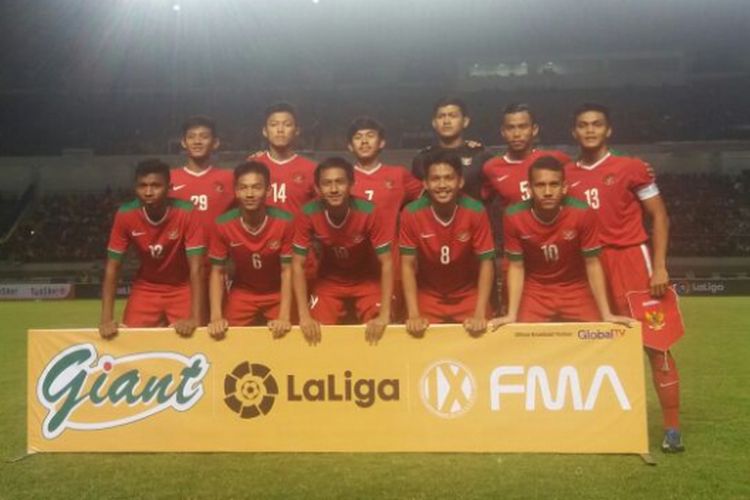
<point>448,389</point>
<point>76,377</point>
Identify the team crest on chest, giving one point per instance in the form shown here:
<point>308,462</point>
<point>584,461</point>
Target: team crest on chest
<point>569,234</point>
<point>463,236</point>
<point>298,178</point>
<point>358,238</point>
<point>173,234</point>
<point>389,184</point>
<point>466,161</point>
<point>609,179</point>
<point>274,244</point>
<point>218,187</point>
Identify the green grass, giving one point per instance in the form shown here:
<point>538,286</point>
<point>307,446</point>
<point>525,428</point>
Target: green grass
<point>714,359</point>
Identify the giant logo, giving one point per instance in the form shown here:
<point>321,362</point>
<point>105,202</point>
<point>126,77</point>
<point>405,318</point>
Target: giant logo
<point>448,389</point>
<point>78,385</point>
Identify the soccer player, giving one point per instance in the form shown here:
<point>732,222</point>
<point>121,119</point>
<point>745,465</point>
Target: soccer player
<point>258,239</point>
<point>356,262</point>
<point>620,189</point>
<point>507,175</point>
<point>169,240</point>
<point>447,252</point>
<point>552,242</point>
<point>207,187</point>
<point>450,118</point>
<point>292,175</point>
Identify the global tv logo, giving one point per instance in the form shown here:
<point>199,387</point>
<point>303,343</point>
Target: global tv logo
<point>86,392</point>
<point>448,389</point>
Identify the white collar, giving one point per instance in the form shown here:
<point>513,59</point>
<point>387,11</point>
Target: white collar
<point>441,221</point>
<point>368,172</point>
<point>596,163</point>
<point>197,174</point>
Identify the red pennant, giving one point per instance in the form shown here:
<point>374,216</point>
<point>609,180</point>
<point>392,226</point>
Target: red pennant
<point>660,317</point>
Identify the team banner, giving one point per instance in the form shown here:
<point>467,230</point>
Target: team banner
<point>660,318</point>
<point>570,388</point>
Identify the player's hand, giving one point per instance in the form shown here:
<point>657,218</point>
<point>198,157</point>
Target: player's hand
<point>475,325</point>
<point>659,282</point>
<point>311,330</point>
<point>217,328</point>
<point>185,327</point>
<point>279,327</point>
<point>375,330</point>
<point>496,323</point>
<point>620,320</point>
<point>108,330</point>
<point>417,326</point>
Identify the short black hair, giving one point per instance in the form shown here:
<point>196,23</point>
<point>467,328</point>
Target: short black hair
<point>334,162</point>
<point>280,107</point>
<point>446,157</point>
<point>252,167</point>
<point>152,166</point>
<point>591,106</point>
<point>546,163</point>
<point>365,123</point>
<point>517,107</point>
<point>450,101</point>
<point>199,121</point>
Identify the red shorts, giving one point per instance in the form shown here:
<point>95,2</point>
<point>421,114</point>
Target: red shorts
<point>244,307</point>
<point>152,305</point>
<point>541,303</point>
<point>627,269</point>
<point>441,308</point>
<point>328,301</point>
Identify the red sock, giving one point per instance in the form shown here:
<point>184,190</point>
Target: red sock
<point>667,384</point>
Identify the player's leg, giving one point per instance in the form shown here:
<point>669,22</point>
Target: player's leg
<point>367,298</point>
<point>430,306</point>
<point>576,303</point>
<point>629,269</point>
<point>241,307</point>
<point>327,304</point>
<point>176,303</point>
<point>537,304</point>
<point>143,308</point>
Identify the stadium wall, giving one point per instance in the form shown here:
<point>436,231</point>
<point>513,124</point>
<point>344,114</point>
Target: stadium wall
<point>81,170</point>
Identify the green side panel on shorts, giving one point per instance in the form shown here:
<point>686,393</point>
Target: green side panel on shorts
<point>278,213</point>
<point>407,250</point>
<point>488,255</point>
<point>363,205</point>
<point>592,252</point>
<point>313,207</point>
<point>470,203</point>
<point>115,255</point>
<point>228,216</point>
<point>419,204</point>
<point>129,206</point>
<point>196,251</point>
<point>181,204</point>
<point>514,256</point>
<point>299,250</point>
<point>518,207</point>
<point>570,201</point>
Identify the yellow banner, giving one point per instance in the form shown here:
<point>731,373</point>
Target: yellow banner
<point>570,388</point>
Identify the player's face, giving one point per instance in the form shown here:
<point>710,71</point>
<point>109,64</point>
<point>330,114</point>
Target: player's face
<point>281,130</point>
<point>199,142</point>
<point>366,145</point>
<point>442,183</point>
<point>250,191</point>
<point>151,189</point>
<point>591,130</point>
<point>519,131</point>
<point>547,189</point>
<point>449,122</point>
<point>334,187</point>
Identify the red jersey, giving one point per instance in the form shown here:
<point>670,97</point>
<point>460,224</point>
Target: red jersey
<point>509,179</point>
<point>211,191</point>
<point>257,255</point>
<point>389,187</point>
<point>349,249</point>
<point>162,246</point>
<point>448,253</point>
<point>292,182</point>
<point>614,187</point>
<point>553,252</point>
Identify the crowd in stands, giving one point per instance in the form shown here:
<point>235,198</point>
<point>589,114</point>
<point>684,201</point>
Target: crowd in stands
<point>710,217</point>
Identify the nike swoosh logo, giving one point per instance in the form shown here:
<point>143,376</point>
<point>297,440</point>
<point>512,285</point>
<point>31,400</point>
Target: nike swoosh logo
<point>177,188</point>
<point>501,179</point>
<point>575,184</point>
<point>423,235</point>
<point>525,236</point>
<point>138,233</point>
<point>235,244</point>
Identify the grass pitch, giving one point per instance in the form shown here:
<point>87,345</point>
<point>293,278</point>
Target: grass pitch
<point>713,358</point>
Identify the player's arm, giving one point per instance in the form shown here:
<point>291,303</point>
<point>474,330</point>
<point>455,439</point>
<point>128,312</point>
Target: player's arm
<point>376,327</point>
<point>310,328</point>
<point>416,325</point>
<point>218,325</point>
<point>515,278</point>
<point>656,210</point>
<point>477,324</point>
<point>185,327</point>
<point>281,325</point>
<point>107,324</point>
<point>595,275</point>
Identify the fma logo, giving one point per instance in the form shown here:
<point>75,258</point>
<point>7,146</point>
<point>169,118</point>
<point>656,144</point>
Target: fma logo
<point>448,389</point>
<point>250,390</point>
